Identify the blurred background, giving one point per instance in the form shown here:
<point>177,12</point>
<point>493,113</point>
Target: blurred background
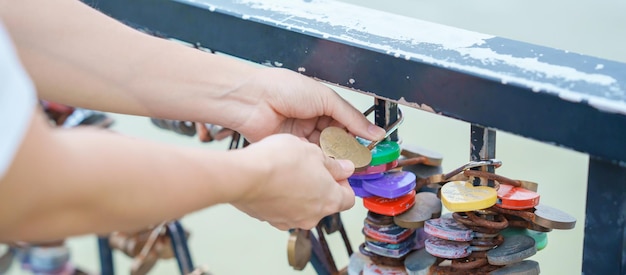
<point>229,242</point>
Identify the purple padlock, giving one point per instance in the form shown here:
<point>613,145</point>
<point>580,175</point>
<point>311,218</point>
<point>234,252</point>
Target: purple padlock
<point>391,184</point>
<point>357,187</point>
<point>366,176</point>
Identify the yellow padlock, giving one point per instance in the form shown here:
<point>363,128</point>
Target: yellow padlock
<point>462,196</point>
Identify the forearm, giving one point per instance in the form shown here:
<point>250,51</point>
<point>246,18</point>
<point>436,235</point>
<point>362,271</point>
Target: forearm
<point>81,57</point>
<point>97,181</point>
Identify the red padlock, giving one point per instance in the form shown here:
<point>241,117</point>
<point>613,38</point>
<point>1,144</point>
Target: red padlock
<point>390,207</point>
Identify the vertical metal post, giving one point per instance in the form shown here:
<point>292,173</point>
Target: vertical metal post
<point>386,113</point>
<point>604,250</point>
<point>106,256</point>
<point>179,244</point>
<point>319,262</point>
<point>324,245</point>
<point>344,236</point>
<point>482,147</point>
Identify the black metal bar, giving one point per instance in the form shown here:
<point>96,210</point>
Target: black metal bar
<point>234,141</point>
<point>605,223</point>
<point>385,114</point>
<point>482,147</point>
<point>318,259</point>
<point>106,256</point>
<point>344,236</point>
<point>179,244</point>
<point>325,249</point>
<point>528,100</point>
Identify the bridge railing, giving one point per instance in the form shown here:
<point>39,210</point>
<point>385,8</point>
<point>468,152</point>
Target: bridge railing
<point>553,96</point>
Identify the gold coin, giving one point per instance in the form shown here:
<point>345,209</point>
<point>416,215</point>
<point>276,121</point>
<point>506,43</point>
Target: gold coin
<point>299,249</point>
<point>339,144</point>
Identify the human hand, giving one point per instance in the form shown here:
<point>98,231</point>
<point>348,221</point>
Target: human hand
<point>282,101</point>
<point>299,184</point>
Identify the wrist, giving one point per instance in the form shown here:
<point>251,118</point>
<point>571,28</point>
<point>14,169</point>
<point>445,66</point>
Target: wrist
<point>234,175</point>
<point>244,99</point>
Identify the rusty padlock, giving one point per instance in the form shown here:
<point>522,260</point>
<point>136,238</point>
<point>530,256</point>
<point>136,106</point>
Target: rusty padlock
<point>132,243</point>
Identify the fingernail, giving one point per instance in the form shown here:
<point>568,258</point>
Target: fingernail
<point>346,165</point>
<point>376,131</point>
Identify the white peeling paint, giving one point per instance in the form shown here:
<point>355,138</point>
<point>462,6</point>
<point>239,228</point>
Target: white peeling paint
<point>394,30</point>
<point>606,105</point>
<point>536,86</point>
<point>301,69</point>
<point>351,81</point>
<point>278,64</point>
<point>403,29</point>
<point>488,56</point>
<point>378,23</point>
<point>571,97</point>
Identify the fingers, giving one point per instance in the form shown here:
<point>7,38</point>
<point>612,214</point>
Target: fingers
<point>319,194</point>
<point>340,169</point>
<point>353,119</point>
<point>348,197</point>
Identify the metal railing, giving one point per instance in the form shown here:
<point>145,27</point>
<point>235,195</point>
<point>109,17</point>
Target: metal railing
<point>553,96</point>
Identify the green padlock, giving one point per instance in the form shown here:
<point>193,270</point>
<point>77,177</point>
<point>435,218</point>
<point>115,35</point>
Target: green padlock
<point>384,152</point>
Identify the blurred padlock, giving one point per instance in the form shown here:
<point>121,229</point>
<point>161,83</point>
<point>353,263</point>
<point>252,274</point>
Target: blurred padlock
<point>180,127</point>
<point>6,258</point>
<point>131,244</point>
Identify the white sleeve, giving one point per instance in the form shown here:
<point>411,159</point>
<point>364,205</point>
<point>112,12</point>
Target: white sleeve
<point>17,101</point>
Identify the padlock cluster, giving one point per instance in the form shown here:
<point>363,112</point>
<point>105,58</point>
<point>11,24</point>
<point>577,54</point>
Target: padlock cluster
<point>45,258</point>
<point>68,117</point>
<point>492,228</point>
<point>204,131</point>
<point>393,227</point>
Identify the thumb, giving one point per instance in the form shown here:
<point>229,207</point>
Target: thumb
<point>340,169</point>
